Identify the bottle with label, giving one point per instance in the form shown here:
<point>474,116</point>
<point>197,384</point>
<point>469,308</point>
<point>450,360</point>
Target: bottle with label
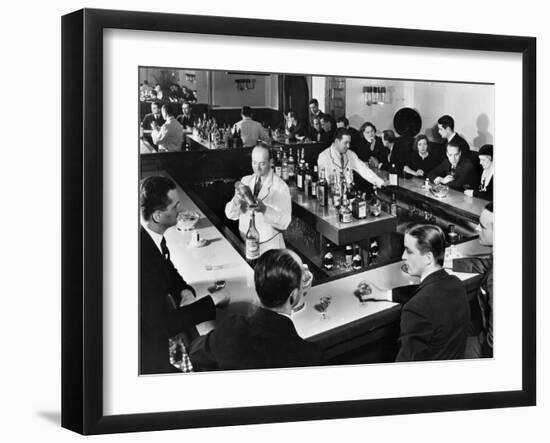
<point>328,259</point>
<point>359,206</point>
<point>307,181</point>
<point>314,181</point>
<point>300,176</point>
<point>357,257</point>
<point>373,251</point>
<point>322,189</point>
<point>284,168</point>
<point>452,235</point>
<point>393,178</point>
<point>278,165</point>
<point>252,240</point>
<point>393,204</point>
<point>344,213</point>
<point>291,166</point>
<point>375,205</point>
<point>336,196</point>
<point>349,256</point>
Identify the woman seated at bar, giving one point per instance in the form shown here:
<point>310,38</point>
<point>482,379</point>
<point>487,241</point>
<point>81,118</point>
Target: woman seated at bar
<point>295,130</point>
<point>316,130</point>
<point>485,189</point>
<point>370,148</point>
<point>421,161</point>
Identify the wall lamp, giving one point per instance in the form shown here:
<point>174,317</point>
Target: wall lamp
<point>374,95</point>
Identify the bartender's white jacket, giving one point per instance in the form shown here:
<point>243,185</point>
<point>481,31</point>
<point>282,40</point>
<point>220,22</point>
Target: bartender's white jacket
<point>278,211</point>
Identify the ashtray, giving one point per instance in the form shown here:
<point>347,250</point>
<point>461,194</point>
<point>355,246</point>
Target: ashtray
<point>440,191</point>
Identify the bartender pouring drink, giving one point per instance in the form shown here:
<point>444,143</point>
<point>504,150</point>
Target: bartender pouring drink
<point>338,159</point>
<point>271,198</point>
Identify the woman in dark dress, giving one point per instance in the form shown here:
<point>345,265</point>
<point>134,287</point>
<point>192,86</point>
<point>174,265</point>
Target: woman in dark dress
<point>370,149</point>
<point>421,161</point>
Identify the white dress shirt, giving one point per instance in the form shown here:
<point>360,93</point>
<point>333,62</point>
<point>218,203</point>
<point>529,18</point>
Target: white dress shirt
<point>170,135</point>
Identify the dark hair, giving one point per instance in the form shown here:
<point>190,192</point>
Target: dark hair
<point>417,140</point>
<point>158,104</point>
<point>314,101</point>
<point>153,195</point>
<point>246,111</point>
<point>489,207</point>
<point>486,150</point>
<point>429,238</point>
<point>185,102</point>
<point>276,275</point>
<point>291,114</point>
<point>389,136</point>
<point>447,122</point>
<point>341,132</point>
<point>169,109</point>
<point>454,143</point>
<point>364,126</point>
<point>344,120</point>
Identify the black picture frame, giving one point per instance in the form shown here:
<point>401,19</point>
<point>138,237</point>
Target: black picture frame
<point>82,232</point>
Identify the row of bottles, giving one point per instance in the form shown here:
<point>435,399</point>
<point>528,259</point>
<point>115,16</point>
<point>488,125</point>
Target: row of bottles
<point>353,256</point>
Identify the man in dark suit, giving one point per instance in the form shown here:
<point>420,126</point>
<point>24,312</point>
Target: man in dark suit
<point>481,344</point>
<point>343,122</point>
<point>436,315</point>
<point>394,153</point>
<point>186,118</point>
<point>314,111</point>
<point>267,338</point>
<point>149,121</point>
<point>165,308</point>
<point>446,129</point>
<point>456,171</point>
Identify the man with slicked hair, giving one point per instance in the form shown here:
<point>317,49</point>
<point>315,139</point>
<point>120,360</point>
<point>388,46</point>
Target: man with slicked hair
<point>436,315</point>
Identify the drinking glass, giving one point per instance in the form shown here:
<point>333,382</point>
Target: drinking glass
<point>323,305</point>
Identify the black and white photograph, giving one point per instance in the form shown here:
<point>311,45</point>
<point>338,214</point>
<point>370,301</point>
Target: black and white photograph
<point>303,220</point>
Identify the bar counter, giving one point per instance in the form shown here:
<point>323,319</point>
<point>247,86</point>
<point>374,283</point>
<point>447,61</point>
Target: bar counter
<point>349,326</point>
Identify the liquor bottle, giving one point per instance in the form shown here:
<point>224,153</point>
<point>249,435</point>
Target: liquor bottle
<point>344,213</point>
<point>357,257</point>
<point>307,181</point>
<point>336,196</point>
<point>393,205</point>
<point>314,181</point>
<point>302,177</point>
<point>303,158</point>
<point>373,251</point>
<point>328,259</point>
<point>350,184</point>
<point>291,168</point>
<point>393,178</point>
<point>278,165</point>
<point>375,205</point>
<point>252,241</point>
<point>322,189</point>
<point>284,168</point>
<point>359,206</point>
<point>349,256</point>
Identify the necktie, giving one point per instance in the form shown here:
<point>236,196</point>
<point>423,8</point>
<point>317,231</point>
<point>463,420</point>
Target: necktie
<point>164,248</point>
<point>342,160</point>
<point>257,187</point>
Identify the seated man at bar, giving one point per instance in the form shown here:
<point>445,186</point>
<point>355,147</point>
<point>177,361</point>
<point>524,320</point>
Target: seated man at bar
<point>267,338</point>
<point>446,129</point>
<point>186,118</point>
<point>316,130</point>
<point>328,128</point>
<point>481,344</point>
<point>274,206</point>
<point>166,300</point>
<point>393,153</point>
<point>436,315</point>
<point>420,161</point>
<point>251,130</point>
<point>485,189</point>
<point>456,171</point>
<point>169,136</point>
<point>338,159</point>
<point>147,122</point>
<point>294,129</point>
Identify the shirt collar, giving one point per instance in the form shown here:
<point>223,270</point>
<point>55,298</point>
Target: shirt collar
<point>156,237</point>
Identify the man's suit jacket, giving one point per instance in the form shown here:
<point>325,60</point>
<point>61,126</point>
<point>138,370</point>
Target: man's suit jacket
<point>149,118</point>
<point>364,152</point>
<point>481,264</point>
<point>434,320</point>
<point>465,173</point>
<point>266,339</point>
<point>463,144</point>
<point>398,157</point>
<point>160,318</point>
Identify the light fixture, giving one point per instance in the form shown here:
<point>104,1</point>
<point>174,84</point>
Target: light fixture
<point>190,77</point>
<point>374,95</point>
<point>244,84</point>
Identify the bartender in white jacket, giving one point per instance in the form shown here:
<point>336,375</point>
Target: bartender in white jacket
<point>338,158</point>
<point>274,209</point>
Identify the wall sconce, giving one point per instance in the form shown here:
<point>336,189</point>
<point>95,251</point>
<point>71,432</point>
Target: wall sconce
<point>192,78</point>
<point>244,84</point>
<point>374,95</point>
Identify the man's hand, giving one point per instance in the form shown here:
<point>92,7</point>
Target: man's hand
<point>420,173</point>
<point>187,297</point>
<point>154,125</point>
<point>373,162</point>
<point>449,178</point>
<point>438,180</point>
<point>221,298</point>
